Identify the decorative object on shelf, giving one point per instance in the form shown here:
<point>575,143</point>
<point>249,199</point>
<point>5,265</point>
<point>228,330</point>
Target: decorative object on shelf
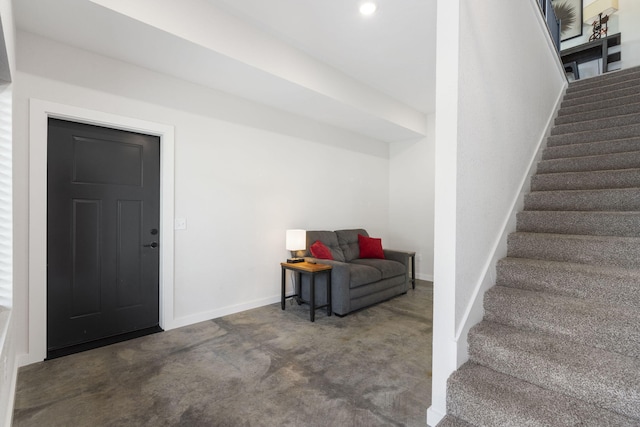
<point>296,240</point>
<point>569,12</point>
<point>597,15</point>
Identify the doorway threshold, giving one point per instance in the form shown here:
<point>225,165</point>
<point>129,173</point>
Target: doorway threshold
<point>65,351</point>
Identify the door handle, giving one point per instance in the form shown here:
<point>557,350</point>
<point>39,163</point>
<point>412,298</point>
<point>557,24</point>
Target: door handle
<point>152,245</point>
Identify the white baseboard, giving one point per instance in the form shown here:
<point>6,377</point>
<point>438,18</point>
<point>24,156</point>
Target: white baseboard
<point>434,416</point>
<point>214,314</point>
<point>428,277</point>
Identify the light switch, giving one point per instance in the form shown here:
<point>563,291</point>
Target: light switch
<point>181,224</point>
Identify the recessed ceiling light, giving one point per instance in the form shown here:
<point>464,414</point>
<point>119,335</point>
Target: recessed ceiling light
<point>368,8</point>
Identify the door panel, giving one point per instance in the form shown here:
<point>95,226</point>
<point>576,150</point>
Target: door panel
<point>103,203</point>
<point>129,253</point>
<point>85,249</point>
<point>91,154</point>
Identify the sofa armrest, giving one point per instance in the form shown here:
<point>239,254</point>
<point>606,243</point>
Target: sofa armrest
<point>340,278</point>
<point>400,256</point>
<point>403,258</point>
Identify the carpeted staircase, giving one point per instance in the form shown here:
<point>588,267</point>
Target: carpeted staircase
<point>560,341</point>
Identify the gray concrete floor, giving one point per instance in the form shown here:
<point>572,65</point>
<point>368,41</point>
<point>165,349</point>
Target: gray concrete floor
<point>262,367</point>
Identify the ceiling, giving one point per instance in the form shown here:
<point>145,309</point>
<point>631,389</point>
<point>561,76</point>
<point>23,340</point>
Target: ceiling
<point>320,59</point>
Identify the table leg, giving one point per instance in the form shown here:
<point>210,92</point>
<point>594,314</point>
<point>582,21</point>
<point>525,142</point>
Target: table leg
<point>329,293</point>
<point>413,271</point>
<point>282,298</point>
<point>312,302</point>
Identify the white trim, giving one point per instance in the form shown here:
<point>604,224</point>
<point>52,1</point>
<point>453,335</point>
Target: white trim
<point>427,277</point>
<point>486,278</point>
<point>39,113</point>
<point>232,309</point>
<point>434,416</point>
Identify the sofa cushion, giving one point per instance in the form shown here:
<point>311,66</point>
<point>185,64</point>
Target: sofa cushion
<point>363,275</point>
<point>386,267</point>
<point>348,240</point>
<point>320,251</point>
<point>329,239</point>
<point>370,247</point>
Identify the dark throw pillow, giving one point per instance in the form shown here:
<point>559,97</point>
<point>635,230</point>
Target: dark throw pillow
<point>370,247</point>
<point>320,251</point>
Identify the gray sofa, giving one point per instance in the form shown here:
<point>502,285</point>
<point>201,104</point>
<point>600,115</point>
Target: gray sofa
<point>355,282</point>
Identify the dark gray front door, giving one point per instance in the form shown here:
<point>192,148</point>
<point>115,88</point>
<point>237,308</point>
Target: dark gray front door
<point>103,231</point>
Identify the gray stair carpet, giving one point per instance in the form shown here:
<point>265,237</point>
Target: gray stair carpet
<point>559,344</point>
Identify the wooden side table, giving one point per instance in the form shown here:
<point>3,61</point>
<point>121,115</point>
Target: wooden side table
<point>312,270</point>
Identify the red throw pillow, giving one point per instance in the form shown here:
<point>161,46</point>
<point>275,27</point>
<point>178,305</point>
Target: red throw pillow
<point>370,247</point>
<point>320,251</point>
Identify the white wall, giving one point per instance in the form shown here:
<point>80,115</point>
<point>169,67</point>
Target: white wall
<point>411,197</point>
<point>508,85</point>
<point>243,174</point>
<point>629,28</point>
<point>8,365</point>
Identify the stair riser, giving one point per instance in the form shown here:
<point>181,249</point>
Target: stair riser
<point>584,200</point>
<point>622,224</point>
<point>602,285</point>
<point>450,421</point>
<point>598,105</point>
<point>591,163</point>
<point>561,366</point>
<point>583,321</point>
<point>484,397</point>
<point>608,96</point>
<point>604,79</point>
<point>591,149</point>
<point>621,252</point>
<point>626,178</point>
<point>602,89</point>
<point>599,124</point>
<point>632,131</point>
<point>598,115</point>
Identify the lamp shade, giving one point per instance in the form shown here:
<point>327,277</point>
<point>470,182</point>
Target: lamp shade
<point>592,12</point>
<point>296,240</point>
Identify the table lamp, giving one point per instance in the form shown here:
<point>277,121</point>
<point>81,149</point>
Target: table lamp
<point>296,241</point>
<point>597,15</point>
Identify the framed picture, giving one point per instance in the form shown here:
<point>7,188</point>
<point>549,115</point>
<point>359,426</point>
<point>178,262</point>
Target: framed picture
<point>569,12</point>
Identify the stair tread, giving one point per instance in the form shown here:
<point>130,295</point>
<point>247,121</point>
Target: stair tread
<point>618,199</point>
<point>451,421</point>
<point>606,96</point>
<point>494,399</point>
<point>601,283</point>
<point>586,180</point>
<point>617,251</point>
<point>603,325</point>
<point>596,105</point>
<point>621,132</point>
<point>591,148</point>
<point>586,116</point>
<point>600,89</point>
<point>578,237</point>
<point>632,73</point>
<point>600,123</point>
<point>600,377</point>
<point>607,223</point>
<point>595,162</point>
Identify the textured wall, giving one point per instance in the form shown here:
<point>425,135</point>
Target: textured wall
<point>508,80</point>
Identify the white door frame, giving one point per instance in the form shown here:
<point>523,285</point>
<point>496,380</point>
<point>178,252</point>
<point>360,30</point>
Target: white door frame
<point>39,113</point>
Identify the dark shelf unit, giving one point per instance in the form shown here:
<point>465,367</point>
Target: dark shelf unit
<point>597,49</point>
